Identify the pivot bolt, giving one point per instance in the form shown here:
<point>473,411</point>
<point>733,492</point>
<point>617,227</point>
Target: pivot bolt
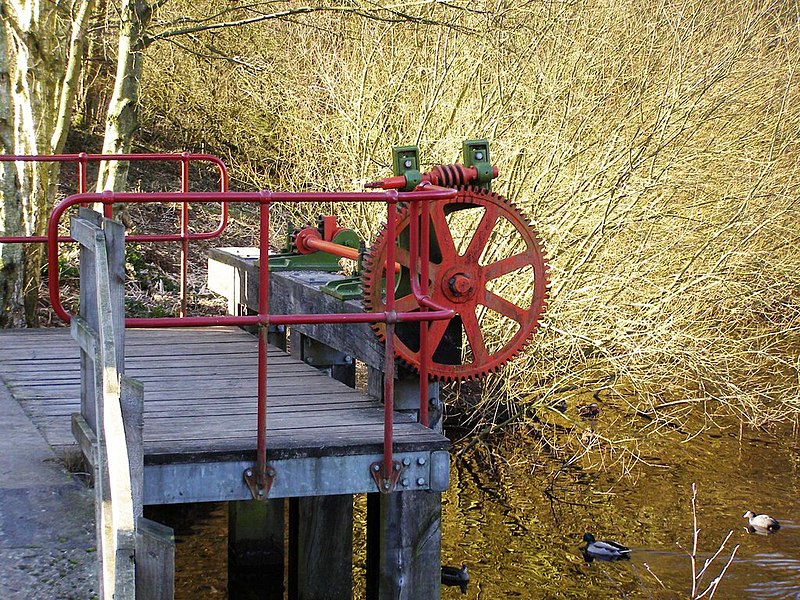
<point>479,155</point>
<point>376,467</point>
<point>408,163</point>
<point>460,284</point>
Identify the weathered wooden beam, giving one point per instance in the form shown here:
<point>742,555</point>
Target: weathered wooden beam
<point>177,483</point>
<point>410,546</point>
<point>321,564</point>
<point>155,561</point>
<point>256,549</point>
<point>289,292</point>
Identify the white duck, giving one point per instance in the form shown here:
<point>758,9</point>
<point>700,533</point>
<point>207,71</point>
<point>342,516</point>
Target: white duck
<point>762,522</point>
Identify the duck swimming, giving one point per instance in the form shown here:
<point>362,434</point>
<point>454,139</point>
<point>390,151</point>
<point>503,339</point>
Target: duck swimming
<point>604,550</point>
<point>456,576</point>
<point>761,522</point>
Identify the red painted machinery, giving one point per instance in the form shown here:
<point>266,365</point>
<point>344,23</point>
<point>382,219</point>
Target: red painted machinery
<point>486,263</point>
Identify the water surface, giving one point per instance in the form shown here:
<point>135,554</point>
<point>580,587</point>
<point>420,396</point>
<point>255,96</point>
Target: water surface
<point>518,521</point>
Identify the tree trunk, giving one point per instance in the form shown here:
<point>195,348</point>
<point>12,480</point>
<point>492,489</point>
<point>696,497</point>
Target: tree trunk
<point>122,120</point>
<point>11,295</point>
<point>38,75</point>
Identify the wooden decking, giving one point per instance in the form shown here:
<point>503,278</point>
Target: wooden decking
<point>200,415</point>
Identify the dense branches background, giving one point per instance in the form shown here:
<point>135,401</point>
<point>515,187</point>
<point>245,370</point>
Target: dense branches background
<point>653,144</point>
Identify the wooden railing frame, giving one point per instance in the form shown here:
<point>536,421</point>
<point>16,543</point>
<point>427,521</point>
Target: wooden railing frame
<point>112,407</point>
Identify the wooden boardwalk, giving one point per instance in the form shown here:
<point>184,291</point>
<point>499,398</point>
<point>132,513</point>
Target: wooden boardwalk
<point>200,415</point>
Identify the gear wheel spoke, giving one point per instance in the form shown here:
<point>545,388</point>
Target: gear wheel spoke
<point>407,303</point>
<point>441,229</point>
<point>508,265</point>
<point>502,306</point>
<point>472,329</point>
<point>486,264</point>
<point>483,232</point>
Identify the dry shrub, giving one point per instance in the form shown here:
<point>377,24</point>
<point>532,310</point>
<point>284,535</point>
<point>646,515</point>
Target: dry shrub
<point>654,145</point>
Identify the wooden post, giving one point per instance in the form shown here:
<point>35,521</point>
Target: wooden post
<point>404,529</point>
<point>406,395</point>
<point>88,311</point>
<point>132,401</point>
<point>115,248</point>
<point>155,561</point>
<point>410,544</point>
<point>255,549</point>
<point>323,552</point>
<point>321,528</point>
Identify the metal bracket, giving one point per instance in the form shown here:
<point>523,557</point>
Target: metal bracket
<point>476,154</point>
<point>259,489</point>
<point>405,162</point>
<point>386,486</point>
<point>348,288</point>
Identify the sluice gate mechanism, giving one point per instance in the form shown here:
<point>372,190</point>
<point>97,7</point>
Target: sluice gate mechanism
<point>482,251</point>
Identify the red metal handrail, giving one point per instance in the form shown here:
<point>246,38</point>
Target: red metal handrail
<point>185,159</point>
<point>430,310</point>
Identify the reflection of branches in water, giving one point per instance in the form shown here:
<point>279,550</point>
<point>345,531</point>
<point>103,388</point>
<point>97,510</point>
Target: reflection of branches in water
<point>527,411</point>
<point>475,471</point>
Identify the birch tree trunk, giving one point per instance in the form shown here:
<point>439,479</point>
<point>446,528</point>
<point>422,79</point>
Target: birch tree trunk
<point>11,296</point>
<point>38,75</point>
<point>122,120</point>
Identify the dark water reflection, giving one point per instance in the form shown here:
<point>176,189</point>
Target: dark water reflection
<point>519,527</point>
<point>520,531</point>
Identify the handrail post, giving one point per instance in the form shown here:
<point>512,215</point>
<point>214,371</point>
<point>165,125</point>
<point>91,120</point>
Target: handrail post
<point>260,482</point>
<point>184,232</point>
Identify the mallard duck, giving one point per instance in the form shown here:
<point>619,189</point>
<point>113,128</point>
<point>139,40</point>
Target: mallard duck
<point>605,550</point>
<point>762,522</point>
<point>456,576</point>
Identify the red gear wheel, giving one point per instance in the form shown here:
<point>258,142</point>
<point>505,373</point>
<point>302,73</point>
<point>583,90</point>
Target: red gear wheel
<point>478,280</point>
